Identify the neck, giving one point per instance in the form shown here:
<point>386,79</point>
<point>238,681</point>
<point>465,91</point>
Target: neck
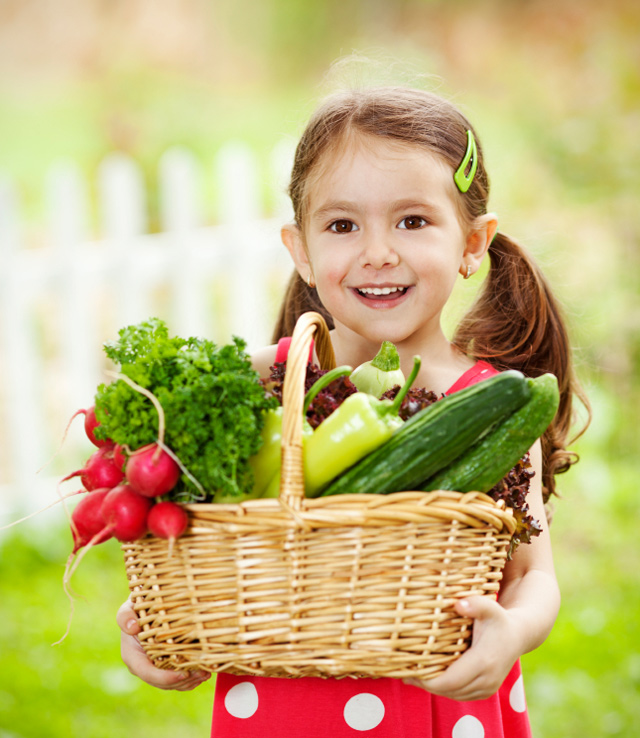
<point>442,363</point>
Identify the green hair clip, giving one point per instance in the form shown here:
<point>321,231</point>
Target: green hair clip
<point>463,181</point>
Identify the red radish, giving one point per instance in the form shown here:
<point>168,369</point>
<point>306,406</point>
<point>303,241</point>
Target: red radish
<point>99,471</point>
<point>87,520</point>
<point>125,513</point>
<point>90,424</point>
<point>168,520</point>
<point>151,471</point>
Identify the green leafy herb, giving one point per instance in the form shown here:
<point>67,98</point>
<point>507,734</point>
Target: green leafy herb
<point>213,402</point>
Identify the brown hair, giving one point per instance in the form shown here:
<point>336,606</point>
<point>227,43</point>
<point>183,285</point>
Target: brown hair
<point>515,323</point>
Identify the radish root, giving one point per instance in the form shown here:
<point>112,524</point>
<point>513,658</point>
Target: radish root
<point>72,604</point>
<point>183,468</point>
<point>82,411</point>
<point>72,564</point>
<point>62,498</point>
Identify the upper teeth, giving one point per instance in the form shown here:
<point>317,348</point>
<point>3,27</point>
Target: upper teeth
<point>379,290</point>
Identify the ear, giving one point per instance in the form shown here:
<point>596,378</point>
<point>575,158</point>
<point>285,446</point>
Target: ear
<point>293,239</point>
<point>478,241</point>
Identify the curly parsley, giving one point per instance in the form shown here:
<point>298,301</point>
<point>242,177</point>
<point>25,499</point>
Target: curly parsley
<point>212,398</point>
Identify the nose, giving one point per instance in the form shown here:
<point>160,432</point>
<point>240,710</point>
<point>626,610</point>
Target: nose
<point>377,251</point>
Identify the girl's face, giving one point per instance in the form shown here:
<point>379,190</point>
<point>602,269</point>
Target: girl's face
<point>383,241</point>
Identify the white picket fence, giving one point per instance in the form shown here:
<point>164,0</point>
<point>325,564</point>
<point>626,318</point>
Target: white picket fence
<point>60,301</point>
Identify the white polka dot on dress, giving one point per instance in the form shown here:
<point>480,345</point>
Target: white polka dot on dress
<point>364,711</point>
<point>468,727</point>
<point>241,700</point>
<point>516,696</point>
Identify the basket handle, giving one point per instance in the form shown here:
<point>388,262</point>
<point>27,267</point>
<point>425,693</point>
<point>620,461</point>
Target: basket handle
<point>292,472</point>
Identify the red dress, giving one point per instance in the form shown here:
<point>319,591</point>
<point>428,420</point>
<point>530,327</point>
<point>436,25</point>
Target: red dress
<point>258,707</point>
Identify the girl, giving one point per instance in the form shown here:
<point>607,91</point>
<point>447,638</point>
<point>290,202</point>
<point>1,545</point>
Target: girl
<point>390,197</point>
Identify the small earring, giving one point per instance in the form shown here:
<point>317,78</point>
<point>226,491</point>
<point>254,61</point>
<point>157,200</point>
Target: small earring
<point>468,274</point>
<point>310,282</point>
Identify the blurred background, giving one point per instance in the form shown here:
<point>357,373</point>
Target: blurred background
<point>135,134</point>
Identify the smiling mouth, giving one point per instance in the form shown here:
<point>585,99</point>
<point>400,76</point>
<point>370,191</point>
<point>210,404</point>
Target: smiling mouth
<point>381,292</point>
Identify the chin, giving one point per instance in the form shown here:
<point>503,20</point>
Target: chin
<point>377,331</point>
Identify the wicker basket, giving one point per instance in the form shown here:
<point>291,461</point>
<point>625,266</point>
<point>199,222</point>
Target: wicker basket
<point>350,585</point>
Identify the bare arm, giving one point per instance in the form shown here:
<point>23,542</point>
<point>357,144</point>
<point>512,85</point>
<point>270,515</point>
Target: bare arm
<point>263,359</point>
<point>529,603</point>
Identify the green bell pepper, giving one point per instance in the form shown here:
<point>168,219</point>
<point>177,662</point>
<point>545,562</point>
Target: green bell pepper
<point>272,489</point>
<point>360,425</point>
<point>266,462</point>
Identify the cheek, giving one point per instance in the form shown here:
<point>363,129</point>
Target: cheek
<point>330,269</point>
<point>330,277</point>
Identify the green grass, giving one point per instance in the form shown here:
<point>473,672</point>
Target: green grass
<point>79,687</point>
<point>583,681</point>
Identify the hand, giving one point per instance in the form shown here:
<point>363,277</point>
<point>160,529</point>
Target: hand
<point>529,603</point>
<point>139,665</point>
<point>480,671</point>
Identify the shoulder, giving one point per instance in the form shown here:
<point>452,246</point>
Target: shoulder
<point>479,371</point>
<point>263,359</point>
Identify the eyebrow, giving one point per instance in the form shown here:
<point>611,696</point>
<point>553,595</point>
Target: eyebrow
<point>409,205</point>
<point>334,206</point>
<point>346,207</point>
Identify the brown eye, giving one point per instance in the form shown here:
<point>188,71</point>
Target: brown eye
<point>343,226</point>
<point>412,222</point>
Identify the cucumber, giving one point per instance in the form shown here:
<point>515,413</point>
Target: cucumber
<point>434,437</point>
<point>485,463</point>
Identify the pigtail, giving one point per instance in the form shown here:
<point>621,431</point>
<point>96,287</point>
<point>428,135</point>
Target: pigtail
<point>516,323</point>
<point>299,298</point>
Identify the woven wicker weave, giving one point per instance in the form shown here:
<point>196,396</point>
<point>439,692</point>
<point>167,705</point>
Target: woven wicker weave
<point>351,585</point>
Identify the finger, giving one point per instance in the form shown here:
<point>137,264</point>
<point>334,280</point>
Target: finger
<point>192,682</point>
<point>474,690</point>
<point>447,683</point>
<point>127,619</point>
<point>461,676</point>
<point>477,607</point>
<point>139,665</point>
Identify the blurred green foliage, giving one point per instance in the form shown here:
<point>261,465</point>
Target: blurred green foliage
<point>552,86</point>
<point>78,687</point>
<point>585,679</point>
